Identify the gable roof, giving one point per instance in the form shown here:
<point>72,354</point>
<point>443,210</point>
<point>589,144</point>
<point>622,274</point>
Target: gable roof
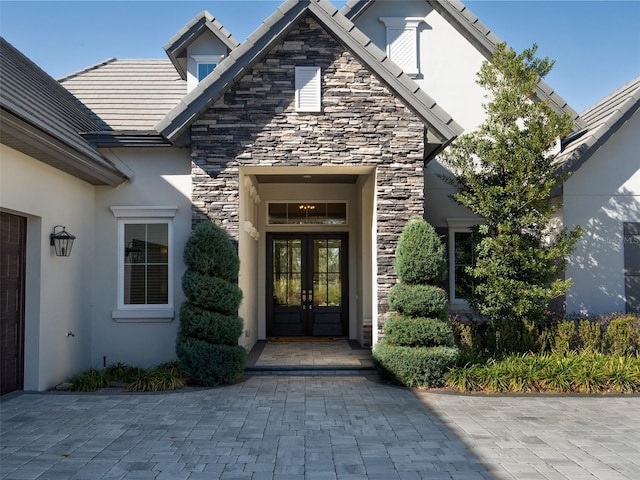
<point>443,128</point>
<point>176,47</point>
<point>603,120</point>
<point>43,120</point>
<point>480,36</point>
<point>128,95</point>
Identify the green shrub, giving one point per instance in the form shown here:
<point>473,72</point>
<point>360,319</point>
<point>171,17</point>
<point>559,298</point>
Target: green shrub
<point>88,381</point>
<point>166,376</point>
<point>512,336</point>
<point>414,366</point>
<point>209,251</point>
<point>121,373</point>
<point>418,332</point>
<point>212,327</point>
<point>573,372</point>
<point>620,337</point>
<point>209,364</point>
<point>471,338</point>
<point>211,293</point>
<point>564,338</point>
<point>590,336</point>
<point>420,255</point>
<point>419,300</point>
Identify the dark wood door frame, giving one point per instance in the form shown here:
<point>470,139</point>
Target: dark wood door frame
<point>304,315</point>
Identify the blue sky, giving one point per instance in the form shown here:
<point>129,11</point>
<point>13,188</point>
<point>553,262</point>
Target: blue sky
<point>596,44</point>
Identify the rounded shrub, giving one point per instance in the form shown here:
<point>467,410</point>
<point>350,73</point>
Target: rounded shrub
<point>212,327</point>
<point>211,293</point>
<point>420,255</point>
<point>414,366</point>
<point>418,332</point>
<point>419,300</point>
<point>210,251</point>
<point>210,364</point>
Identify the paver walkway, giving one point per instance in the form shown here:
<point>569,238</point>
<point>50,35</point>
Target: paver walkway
<point>317,428</point>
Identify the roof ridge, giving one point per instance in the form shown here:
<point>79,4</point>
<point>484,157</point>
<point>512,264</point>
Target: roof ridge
<point>84,70</point>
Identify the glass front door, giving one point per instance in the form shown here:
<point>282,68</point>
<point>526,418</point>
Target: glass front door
<point>307,289</point>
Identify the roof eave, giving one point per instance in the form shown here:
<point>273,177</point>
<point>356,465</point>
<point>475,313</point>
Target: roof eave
<point>85,164</point>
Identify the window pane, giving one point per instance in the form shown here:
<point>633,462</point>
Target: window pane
<point>287,279</point>
<point>334,289</point>
<point>277,213</point>
<point>134,284</point>
<point>205,69</point>
<point>157,243</point>
<point>320,290</point>
<point>134,241</point>
<point>157,284</point>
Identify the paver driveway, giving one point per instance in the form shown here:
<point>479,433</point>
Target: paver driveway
<point>317,427</point>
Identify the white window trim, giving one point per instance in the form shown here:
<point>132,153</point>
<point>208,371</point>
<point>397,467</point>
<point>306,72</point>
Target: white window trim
<point>308,80</point>
<point>144,215</point>
<point>457,225</point>
<point>404,24</point>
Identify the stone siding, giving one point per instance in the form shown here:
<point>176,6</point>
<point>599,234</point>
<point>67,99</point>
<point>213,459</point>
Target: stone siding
<point>362,124</point>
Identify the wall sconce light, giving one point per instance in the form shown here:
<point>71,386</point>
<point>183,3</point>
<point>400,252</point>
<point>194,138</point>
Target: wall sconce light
<point>62,241</point>
<point>133,252</point>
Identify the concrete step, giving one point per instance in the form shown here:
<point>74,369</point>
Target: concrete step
<point>309,370</point>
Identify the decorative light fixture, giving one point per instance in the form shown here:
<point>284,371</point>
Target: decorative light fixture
<point>306,207</point>
<point>62,241</point>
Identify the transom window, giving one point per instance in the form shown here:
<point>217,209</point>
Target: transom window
<point>307,213</point>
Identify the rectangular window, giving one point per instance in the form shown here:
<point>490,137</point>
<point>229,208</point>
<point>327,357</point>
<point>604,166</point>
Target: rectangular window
<point>632,266</point>
<point>145,263</point>
<point>308,83</point>
<point>461,242</point>
<point>205,69</point>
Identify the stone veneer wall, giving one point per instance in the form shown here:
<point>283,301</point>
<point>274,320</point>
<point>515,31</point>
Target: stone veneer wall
<point>362,123</point>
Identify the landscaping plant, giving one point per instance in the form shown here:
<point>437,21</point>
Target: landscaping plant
<point>418,345</point>
<point>207,344</point>
<point>505,172</point>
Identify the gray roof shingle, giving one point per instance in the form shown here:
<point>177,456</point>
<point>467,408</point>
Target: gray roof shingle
<point>602,120</point>
<point>128,95</point>
<point>443,130</point>
<point>42,119</point>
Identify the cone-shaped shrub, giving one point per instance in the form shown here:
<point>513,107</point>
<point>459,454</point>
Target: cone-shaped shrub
<point>207,344</point>
<point>420,256</point>
<point>418,347</point>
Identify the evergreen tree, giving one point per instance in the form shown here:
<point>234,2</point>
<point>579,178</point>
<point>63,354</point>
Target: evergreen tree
<point>505,173</point>
<point>207,344</point>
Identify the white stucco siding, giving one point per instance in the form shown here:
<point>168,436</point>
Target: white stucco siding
<point>448,63</point>
<point>602,195</point>
<point>58,297</point>
<point>205,45</point>
<point>161,177</point>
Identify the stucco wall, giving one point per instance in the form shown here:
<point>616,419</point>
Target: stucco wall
<point>602,195</point>
<point>362,124</point>
<point>58,292</point>
<point>161,177</point>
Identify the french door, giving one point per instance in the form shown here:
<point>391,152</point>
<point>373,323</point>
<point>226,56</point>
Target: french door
<point>307,285</point>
